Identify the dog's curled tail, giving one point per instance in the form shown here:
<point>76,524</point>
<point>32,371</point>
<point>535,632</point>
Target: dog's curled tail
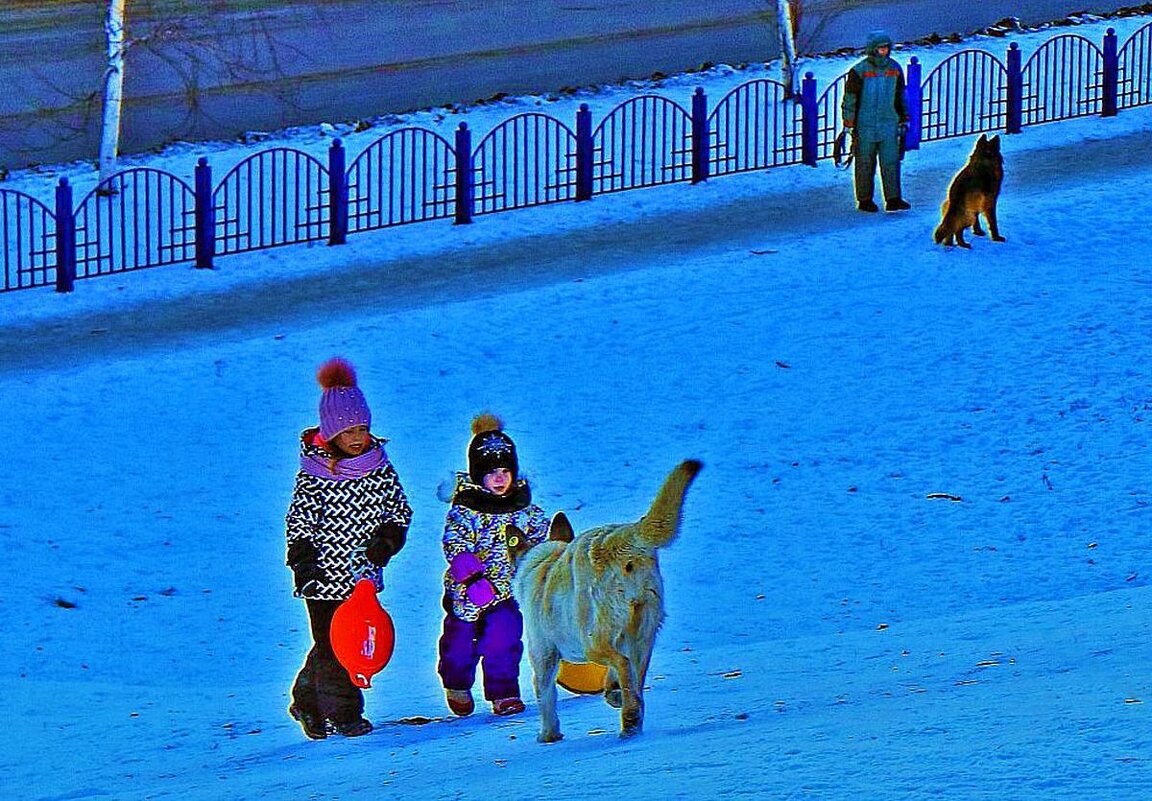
<point>941,232</point>
<point>660,525</point>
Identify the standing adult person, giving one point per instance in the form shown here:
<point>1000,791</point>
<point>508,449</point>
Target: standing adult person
<point>876,111</point>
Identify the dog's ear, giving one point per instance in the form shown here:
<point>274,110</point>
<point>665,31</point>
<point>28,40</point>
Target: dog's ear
<point>982,140</point>
<point>517,542</point>
<point>561,529</point>
<point>995,142</point>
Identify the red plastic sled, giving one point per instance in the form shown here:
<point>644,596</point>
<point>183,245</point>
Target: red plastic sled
<point>362,634</point>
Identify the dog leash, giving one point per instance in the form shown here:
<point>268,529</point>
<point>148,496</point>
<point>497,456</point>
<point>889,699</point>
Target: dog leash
<point>840,146</point>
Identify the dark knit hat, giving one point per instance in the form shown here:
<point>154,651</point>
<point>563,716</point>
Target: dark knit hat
<point>876,40</point>
<point>490,448</point>
<point>342,405</point>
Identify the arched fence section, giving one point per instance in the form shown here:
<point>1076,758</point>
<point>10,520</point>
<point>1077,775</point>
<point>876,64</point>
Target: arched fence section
<point>528,160</point>
<point>1063,79</point>
<point>1134,70</point>
<point>29,241</point>
<point>275,197</point>
<point>145,217</point>
<point>756,125</point>
<point>828,122</point>
<point>966,93</point>
<point>137,218</point>
<point>407,176</point>
<point>645,141</point>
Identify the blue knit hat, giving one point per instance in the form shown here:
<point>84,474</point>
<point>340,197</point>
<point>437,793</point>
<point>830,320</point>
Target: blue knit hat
<point>342,405</point>
<point>876,40</point>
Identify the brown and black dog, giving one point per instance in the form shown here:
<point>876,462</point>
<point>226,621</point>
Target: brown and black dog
<point>973,192</point>
<point>597,597</point>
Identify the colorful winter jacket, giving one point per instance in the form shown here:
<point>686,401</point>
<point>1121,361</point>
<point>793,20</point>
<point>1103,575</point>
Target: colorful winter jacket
<point>874,102</point>
<point>337,506</point>
<point>475,523</point>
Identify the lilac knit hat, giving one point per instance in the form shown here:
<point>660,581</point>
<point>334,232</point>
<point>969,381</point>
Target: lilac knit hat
<point>342,405</point>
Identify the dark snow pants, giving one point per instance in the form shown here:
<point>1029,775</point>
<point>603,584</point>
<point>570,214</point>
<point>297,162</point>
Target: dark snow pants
<point>887,152</point>
<point>496,638</point>
<point>322,685</point>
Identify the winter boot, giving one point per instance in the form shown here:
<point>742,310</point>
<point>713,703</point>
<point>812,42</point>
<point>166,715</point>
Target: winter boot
<point>460,702</point>
<point>356,727</point>
<point>897,204</point>
<point>311,723</point>
<point>507,706</point>
<point>867,205</point>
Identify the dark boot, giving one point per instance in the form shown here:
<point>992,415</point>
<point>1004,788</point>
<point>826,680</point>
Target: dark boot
<point>867,205</point>
<point>897,204</point>
<point>311,723</point>
<point>355,727</point>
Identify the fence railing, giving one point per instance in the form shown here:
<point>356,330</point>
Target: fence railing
<point>144,217</point>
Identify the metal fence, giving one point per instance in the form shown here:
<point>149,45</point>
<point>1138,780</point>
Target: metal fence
<point>528,160</point>
<point>137,218</point>
<point>144,217</point>
<point>407,176</point>
<point>29,243</point>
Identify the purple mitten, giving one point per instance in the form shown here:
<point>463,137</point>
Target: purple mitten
<point>481,592</point>
<point>464,566</point>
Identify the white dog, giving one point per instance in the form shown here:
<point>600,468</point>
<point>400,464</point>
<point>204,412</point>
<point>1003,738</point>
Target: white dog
<point>598,598</point>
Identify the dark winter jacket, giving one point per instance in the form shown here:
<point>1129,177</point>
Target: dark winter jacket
<point>475,523</point>
<point>874,102</point>
<point>337,507</point>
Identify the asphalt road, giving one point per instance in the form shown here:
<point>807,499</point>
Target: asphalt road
<point>246,65</point>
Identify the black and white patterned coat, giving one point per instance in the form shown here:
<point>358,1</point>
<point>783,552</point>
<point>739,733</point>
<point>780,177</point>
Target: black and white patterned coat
<point>337,509</point>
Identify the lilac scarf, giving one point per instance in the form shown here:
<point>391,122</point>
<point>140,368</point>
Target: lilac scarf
<point>319,464</point>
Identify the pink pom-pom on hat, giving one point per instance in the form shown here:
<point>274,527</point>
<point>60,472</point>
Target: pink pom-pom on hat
<point>342,404</point>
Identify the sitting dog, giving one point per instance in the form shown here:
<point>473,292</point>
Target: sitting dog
<point>598,597</point>
<point>973,192</point>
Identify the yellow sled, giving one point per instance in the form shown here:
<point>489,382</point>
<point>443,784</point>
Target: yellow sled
<point>582,678</point>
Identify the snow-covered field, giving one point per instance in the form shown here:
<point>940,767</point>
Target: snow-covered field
<point>836,630</point>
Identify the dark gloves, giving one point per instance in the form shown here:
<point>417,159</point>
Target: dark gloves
<point>304,559</point>
<point>385,543</point>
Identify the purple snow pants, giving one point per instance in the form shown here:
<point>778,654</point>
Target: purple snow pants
<point>496,639</point>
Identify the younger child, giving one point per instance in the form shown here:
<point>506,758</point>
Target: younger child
<point>348,517</point>
<point>483,621</point>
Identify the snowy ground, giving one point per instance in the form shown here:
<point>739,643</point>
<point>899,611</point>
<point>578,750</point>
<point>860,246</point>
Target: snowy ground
<point>833,632</point>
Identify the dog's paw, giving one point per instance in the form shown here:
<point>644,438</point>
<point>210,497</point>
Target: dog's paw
<point>549,737</point>
<point>630,730</point>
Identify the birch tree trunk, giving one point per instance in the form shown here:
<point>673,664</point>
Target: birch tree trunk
<point>786,27</point>
<point>113,89</point>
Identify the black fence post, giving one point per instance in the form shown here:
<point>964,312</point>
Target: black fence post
<point>205,214</point>
<point>583,153</point>
<point>465,183</point>
<point>65,238</point>
<point>337,195</point>
<point>914,98</point>
<point>809,124</point>
<point>1015,110</point>
<point>1111,74</point>
<point>700,136</point>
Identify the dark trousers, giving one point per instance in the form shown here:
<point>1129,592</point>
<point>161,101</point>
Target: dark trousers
<point>495,639</point>
<point>887,153</point>
<point>322,686</point>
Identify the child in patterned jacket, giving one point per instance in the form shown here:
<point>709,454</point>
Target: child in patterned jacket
<point>483,623</point>
<point>348,516</point>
